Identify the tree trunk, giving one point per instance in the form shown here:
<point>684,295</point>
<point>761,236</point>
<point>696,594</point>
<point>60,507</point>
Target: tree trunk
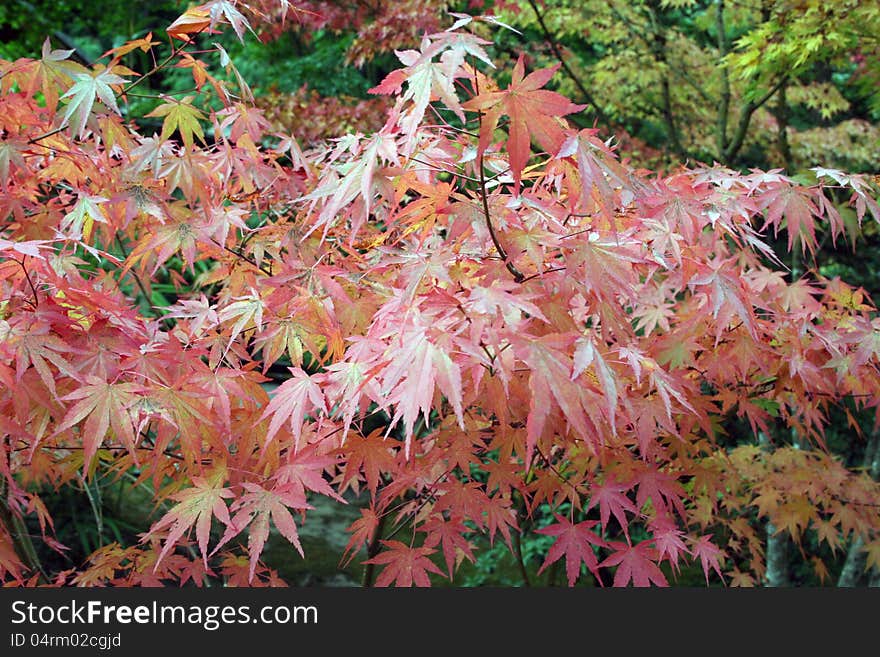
<point>782,113</point>
<point>854,566</point>
<point>777,573</point>
<point>724,104</point>
<point>853,572</point>
<point>777,558</point>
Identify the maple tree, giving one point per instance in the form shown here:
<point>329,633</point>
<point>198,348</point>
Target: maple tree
<point>743,82</point>
<point>477,318</point>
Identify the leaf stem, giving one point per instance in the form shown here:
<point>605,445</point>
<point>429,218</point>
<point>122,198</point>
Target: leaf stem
<point>243,257</point>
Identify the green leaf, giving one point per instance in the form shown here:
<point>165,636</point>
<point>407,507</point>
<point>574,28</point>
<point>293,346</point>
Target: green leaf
<point>195,506</point>
<point>82,94</point>
<point>180,116</point>
<point>769,405</point>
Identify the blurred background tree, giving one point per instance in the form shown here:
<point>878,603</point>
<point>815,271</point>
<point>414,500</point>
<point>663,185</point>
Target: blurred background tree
<point>787,83</point>
<point>769,83</point>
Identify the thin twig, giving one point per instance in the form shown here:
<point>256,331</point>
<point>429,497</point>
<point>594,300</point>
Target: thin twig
<point>724,106</point>
<point>137,279</point>
<point>518,276</point>
<point>565,67</point>
<point>541,273</point>
<point>745,118</point>
<point>99,520</point>
<point>34,140</point>
<point>243,257</point>
<point>27,275</point>
<point>372,551</point>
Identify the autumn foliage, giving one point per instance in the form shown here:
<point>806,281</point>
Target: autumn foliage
<point>475,314</point>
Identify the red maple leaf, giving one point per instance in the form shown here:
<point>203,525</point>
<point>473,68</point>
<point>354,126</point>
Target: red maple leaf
<point>550,384</point>
<point>500,517</point>
<point>611,500</point>
<point>304,471</point>
<point>449,534</point>
<point>668,539</point>
<point>795,206</point>
<point>293,400</point>
<point>372,454</point>
<point>662,489</point>
<point>404,565</point>
<point>362,531</point>
<point>636,564</point>
<point>708,554</point>
<point>532,112</point>
<point>576,542</point>
<point>255,508</point>
<point>106,406</point>
<point>195,506</point>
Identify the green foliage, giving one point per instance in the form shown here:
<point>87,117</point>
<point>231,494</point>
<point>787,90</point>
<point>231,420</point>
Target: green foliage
<point>288,63</point>
<point>713,79</point>
<point>91,27</point>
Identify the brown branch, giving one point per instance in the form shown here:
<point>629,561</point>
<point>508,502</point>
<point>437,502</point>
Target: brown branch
<point>22,544</point>
<point>27,275</point>
<point>541,273</point>
<point>109,448</point>
<point>637,32</point>
<point>745,118</point>
<point>518,276</point>
<point>562,478</point>
<point>517,546</point>
<point>856,557</point>
<point>658,48</point>
<point>597,110</point>
<point>55,131</point>
<point>158,67</point>
<point>783,113</point>
<point>372,551</point>
<point>242,256</point>
<point>724,105</point>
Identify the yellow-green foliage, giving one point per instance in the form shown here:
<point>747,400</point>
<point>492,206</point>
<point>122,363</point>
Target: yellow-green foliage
<point>709,74</point>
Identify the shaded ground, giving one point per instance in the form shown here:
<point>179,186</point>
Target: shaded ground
<point>323,539</point>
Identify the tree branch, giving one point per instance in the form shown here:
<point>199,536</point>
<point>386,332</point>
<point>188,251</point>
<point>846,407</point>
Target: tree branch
<point>21,539</point>
<point>776,552</point>
<point>638,32</point>
<point>745,118</point>
<point>658,48</point>
<point>518,276</point>
<point>724,105</point>
<point>597,110</point>
<point>372,551</point>
<point>856,558</point>
<point>782,114</point>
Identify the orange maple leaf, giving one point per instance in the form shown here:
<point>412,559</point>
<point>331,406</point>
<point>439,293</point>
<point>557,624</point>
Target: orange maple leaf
<point>533,113</point>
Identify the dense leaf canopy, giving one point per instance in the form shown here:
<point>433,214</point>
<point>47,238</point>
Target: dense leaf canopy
<point>470,314</point>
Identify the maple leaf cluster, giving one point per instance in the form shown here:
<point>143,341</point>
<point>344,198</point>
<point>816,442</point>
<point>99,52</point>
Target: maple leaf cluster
<point>473,314</point>
<point>380,27</point>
